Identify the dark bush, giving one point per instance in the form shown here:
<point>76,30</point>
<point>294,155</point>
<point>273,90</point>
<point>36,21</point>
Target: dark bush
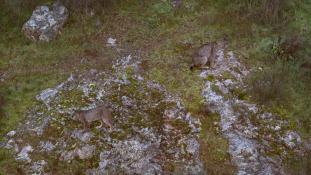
<point>289,46</point>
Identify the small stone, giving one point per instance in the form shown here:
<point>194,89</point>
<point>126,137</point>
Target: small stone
<point>192,146</point>
<point>11,133</point>
<point>228,82</point>
<point>126,101</point>
<point>10,144</point>
<point>37,167</point>
<point>83,136</point>
<point>111,42</point>
<point>86,151</point>
<point>46,146</point>
<point>277,128</point>
<point>47,94</point>
<point>68,155</point>
<point>24,154</point>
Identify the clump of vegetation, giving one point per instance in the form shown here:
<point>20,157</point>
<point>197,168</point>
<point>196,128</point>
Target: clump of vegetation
<point>214,147</point>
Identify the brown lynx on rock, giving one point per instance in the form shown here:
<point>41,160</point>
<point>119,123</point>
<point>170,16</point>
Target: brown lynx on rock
<point>100,113</point>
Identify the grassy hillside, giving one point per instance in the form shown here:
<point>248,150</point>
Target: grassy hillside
<point>272,35</point>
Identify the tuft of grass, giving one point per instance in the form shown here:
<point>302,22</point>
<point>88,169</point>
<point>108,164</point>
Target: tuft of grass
<point>7,162</point>
<point>20,95</point>
<point>214,147</point>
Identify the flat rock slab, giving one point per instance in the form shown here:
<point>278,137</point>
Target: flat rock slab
<point>45,22</point>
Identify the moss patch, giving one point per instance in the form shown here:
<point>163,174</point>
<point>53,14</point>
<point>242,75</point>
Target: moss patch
<point>214,147</point>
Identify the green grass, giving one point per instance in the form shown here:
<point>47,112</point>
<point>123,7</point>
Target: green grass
<point>165,38</point>
<point>214,147</point>
<point>20,95</point>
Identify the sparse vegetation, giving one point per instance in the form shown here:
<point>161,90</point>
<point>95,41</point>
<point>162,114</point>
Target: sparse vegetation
<point>272,34</point>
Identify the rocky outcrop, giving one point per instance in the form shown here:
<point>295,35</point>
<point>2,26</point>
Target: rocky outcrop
<point>152,133</point>
<point>46,22</point>
<point>258,140</point>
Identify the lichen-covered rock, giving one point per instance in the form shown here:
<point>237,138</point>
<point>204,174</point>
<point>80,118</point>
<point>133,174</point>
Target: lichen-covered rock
<point>137,158</point>
<point>46,146</point>
<point>45,22</point>
<point>37,168</point>
<point>256,138</point>
<point>152,134</point>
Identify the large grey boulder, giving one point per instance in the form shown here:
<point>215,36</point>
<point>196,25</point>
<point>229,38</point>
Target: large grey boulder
<point>45,22</point>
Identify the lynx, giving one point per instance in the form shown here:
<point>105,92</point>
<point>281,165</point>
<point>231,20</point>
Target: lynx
<point>100,113</point>
<point>204,55</point>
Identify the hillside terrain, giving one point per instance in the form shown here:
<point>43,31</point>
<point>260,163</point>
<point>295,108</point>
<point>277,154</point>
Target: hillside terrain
<point>247,113</point>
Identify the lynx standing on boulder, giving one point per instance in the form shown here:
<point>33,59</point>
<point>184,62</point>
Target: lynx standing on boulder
<point>100,113</point>
<point>204,55</point>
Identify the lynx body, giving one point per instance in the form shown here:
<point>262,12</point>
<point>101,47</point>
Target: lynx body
<point>100,113</point>
<point>204,55</point>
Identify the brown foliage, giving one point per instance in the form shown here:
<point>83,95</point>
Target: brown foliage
<point>290,45</point>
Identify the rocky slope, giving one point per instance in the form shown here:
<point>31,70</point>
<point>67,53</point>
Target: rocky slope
<point>152,133</point>
<point>258,140</point>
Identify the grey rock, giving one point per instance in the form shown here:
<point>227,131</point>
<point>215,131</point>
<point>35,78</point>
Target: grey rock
<point>11,133</point>
<point>47,146</point>
<point>132,157</point>
<point>68,155</point>
<point>126,101</point>
<point>11,144</point>
<point>292,139</point>
<point>24,154</point>
<point>192,146</point>
<point>47,94</point>
<point>86,151</point>
<point>82,136</point>
<point>45,22</point>
<point>111,42</point>
<point>37,168</point>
